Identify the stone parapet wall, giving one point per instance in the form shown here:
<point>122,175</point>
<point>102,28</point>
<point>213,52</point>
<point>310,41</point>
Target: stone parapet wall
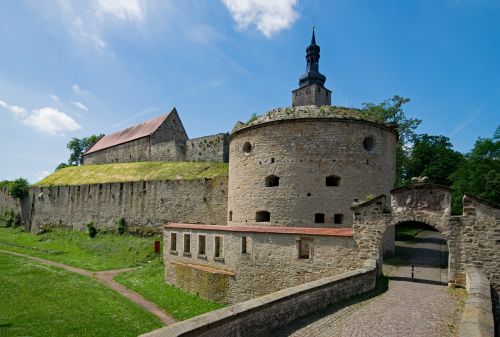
<point>141,203</point>
<point>477,318</point>
<point>260,316</point>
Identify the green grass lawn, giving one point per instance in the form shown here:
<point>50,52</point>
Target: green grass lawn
<point>149,282</point>
<point>38,300</point>
<point>75,248</point>
<point>407,232</point>
<point>122,172</point>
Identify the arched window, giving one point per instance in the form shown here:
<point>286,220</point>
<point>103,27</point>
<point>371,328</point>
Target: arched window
<point>368,144</point>
<point>319,218</point>
<point>272,181</point>
<point>332,181</point>
<point>262,216</point>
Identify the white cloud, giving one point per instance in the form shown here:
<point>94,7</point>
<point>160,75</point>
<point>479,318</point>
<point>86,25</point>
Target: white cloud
<point>87,33</point>
<point>51,121</point>
<point>18,111</point>
<point>40,175</point>
<point>54,97</point>
<point>126,10</point>
<point>79,91</point>
<point>80,105</point>
<point>267,16</point>
<point>47,120</point>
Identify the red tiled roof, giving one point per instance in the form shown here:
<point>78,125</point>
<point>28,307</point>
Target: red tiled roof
<point>126,135</point>
<point>346,232</point>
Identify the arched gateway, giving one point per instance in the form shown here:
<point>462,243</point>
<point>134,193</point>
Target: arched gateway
<point>473,238</point>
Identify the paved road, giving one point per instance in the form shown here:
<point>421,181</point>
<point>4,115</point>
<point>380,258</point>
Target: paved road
<point>414,309</point>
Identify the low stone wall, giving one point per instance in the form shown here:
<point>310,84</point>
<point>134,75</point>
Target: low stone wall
<point>141,203</point>
<point>258,317</point>
<point>477,318</point>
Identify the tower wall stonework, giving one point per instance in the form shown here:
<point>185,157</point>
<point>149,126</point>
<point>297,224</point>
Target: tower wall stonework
<point>302,154</point>
<point>313,94</point>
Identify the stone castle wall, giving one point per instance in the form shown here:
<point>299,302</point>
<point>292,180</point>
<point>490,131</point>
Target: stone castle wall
<point>237,276</point>
<point>142,203</point>
<point>312,95</point>
<point>213,148</point>
<point>303,153</point>
<point>472,238</point>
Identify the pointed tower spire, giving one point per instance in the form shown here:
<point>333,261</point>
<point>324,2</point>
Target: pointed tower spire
<point>306,94</point>
<point>313,39</point>
<point>312,74</point>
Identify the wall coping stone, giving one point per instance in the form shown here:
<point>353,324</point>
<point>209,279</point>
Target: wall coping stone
<point>477,318</point>
<point>236,312</point>
<point>342,232</point>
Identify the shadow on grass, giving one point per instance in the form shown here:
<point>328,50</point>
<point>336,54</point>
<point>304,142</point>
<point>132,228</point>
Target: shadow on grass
<point>381,287</point>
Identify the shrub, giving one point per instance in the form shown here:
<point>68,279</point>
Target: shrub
<point>91,229</point>
<point>19,188</point>
<point>121,224</point>
<point>9,218</point>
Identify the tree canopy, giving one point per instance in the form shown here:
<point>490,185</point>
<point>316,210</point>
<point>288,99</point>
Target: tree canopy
<point>391,111</point>
<point>78,146</point>
<point>432,156</point>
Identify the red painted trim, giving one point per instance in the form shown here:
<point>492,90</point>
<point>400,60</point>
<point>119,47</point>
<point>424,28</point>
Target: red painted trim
<point>345,232</point>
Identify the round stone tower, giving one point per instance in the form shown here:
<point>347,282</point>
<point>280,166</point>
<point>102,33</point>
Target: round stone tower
<point>306,165</point>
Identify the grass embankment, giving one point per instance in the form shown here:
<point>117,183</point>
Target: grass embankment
<point>38,300</point>
<point>109,251</point>
<point>124,172</point>
<point>407,232</point>
<point>149,282</point>
<point>75,248</point>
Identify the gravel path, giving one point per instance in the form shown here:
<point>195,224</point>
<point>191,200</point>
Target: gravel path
<point>415,309</point>
<point>107,278</point>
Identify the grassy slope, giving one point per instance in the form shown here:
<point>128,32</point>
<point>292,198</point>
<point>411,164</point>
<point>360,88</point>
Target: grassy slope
<point>75,248</point>
<point>108,173</point>
<point>38,300</point>
<point>149,282</point>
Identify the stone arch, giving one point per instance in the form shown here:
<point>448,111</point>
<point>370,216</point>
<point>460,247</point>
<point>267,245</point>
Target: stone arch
<point>390,227</point>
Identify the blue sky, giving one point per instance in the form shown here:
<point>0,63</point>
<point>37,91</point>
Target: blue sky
<point>74,68</point>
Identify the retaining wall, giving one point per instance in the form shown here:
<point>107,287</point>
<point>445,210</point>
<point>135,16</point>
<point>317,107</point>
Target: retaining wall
<point>141,203</point>
<point>477,318</point>
<point>260,316</point>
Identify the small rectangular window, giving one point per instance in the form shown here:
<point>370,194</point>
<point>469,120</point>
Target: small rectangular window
<point>244,248</point>
<point>173,241</point>
<point>305,246</point>
<point>202,244</point>
<point>187,243</point>
<point>219,242</point>
<point>319,218</point>
<point>338,218</point>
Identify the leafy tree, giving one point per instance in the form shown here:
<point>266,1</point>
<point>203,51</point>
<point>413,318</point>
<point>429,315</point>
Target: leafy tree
<point>19,188</point>
<point>479,174</point>
<point>78,146</point>
<point>391,111</point>
<point>61,166</point>
<point>432,156</point>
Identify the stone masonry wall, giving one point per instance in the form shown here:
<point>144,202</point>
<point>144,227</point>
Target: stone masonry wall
<point>303,153</point>
<point>133,151</point>
<point>260,316</point>
<point>149,203</point>
<point>214,148</point>
<point>270,264</point>
<point>312,95</point>
<point>473,238</point>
